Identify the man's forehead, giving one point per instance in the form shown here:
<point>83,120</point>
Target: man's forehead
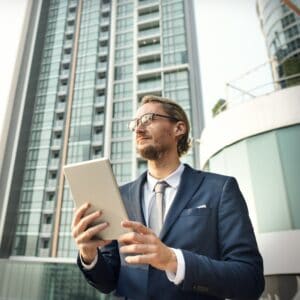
<point>150,107</point>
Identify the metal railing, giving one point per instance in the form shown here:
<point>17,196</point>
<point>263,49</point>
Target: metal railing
<point>252,84</point>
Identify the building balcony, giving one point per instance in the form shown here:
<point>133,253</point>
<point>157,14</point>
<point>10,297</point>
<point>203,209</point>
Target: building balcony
<point>68,44</point>
<point>148,51</point>
<point>100,84</point>
<point>148,66</point>
<point>54,164</point>
<point>71,22</point>
<point>66,59</point>
<point>60,107</point>
<point>46,229</point>
<point>104,22</point>
<point>149,17</point>
<point>48,206</point>
<point>104,36</point>
<point>73,5</point>
<point>44,252</point>
<point>105,8</point>
<point>69,32</point>
<point>101,67</point>
<point>97,140</point>
<point>56,144</point>
<point>99,120</point>
<point>95,156</point>
<point>51,185</point>
<point>103,50</point>
<point>52,182</point>
<point>99,101</point>
<point>148,3</point>
<point>147,33</point>
<point>149,86</point>
<point>64,75</point>
<point>58,125</point>
<point>62,92</point>
<point>71,18</point>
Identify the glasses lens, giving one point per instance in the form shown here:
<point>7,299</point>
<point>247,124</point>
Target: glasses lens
<point>146,119</point>
<point>132,125</point>
<point>143,120</point>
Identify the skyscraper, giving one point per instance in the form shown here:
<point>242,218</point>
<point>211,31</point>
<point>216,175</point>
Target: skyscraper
<point>85,67</point>
<point>280,25</point>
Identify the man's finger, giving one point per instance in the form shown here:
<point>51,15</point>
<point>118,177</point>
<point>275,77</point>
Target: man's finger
<point>79,213</point>
<point>137,227</point>
<point>138,249</point>
<point>131,238</point>
<point>95,243</point>
<point>85,222</point>
<point>139,259</point>
<point>90,233</point>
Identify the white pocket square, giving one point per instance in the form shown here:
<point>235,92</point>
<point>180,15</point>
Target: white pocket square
<point>202,206</point>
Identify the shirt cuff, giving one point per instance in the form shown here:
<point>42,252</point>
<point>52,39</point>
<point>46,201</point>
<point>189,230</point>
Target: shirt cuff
<point>91,265</point>
<point>177,277</point>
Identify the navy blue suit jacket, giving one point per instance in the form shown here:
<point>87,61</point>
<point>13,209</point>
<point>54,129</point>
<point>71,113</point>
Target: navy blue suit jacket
<point>217,241</point>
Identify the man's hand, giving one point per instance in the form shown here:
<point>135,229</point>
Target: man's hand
<point>147,247</point>
<point>83,234</point>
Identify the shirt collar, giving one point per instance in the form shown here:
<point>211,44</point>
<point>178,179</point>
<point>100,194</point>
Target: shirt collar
<point>173,179</point>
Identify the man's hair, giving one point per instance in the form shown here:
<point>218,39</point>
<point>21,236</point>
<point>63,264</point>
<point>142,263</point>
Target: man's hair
<point>173,109</point>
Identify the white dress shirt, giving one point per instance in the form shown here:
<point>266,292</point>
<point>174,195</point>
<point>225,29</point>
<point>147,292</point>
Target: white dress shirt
<point>173,181</point>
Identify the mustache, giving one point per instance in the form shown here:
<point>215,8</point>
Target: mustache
<point>142,135</point>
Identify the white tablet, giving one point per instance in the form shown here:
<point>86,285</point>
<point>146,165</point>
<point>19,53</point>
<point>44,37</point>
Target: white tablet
<point>94,182</point>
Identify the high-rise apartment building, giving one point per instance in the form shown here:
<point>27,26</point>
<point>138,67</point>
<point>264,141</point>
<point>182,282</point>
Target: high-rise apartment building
<point>280,24</point>
<point>85,67</point>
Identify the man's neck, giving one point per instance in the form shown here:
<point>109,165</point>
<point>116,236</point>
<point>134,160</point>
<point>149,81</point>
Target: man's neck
<point>163,167</point>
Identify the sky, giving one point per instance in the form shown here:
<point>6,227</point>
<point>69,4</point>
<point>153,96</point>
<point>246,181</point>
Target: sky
<point>230,43</point>
<point>11,21</point>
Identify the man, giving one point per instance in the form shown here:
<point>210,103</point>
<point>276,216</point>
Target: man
<point>205,248</point>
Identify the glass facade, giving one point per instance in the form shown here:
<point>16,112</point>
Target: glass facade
<point>47,281</point>
<point>93,61</point>
<point>269,164</point>
<point>71,103</point>
<point>281,27</point>
<point>34,221</point>
<point>123,91</point>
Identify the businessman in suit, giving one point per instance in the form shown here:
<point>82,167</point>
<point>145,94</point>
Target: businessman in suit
<point>191,236</point>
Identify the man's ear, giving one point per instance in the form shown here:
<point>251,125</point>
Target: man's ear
<point>180,128</point>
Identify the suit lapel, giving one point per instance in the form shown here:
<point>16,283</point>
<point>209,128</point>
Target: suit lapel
<point>135,198</point>
<point>189,184</point>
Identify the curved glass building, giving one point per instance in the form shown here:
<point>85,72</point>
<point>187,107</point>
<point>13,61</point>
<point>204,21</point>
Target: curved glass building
<point>281,27</point>
<point>258,142</point>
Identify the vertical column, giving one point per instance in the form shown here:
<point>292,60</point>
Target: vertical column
<point>66,132</point>
<point>110,81</point>
<point>134,83</point>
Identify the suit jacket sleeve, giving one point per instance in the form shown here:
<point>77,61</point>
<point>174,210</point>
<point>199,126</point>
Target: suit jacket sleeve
<point>239,272</point>
<point>104,275</point>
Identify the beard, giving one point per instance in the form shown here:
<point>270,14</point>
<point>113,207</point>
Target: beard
<point>149,153</point>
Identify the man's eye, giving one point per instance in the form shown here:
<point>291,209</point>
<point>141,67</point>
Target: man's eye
<point>146,119</point>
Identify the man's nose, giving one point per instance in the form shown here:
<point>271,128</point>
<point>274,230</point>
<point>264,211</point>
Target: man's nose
<point>140,127</point>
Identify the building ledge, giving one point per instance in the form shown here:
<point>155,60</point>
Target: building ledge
<point>275,110</point>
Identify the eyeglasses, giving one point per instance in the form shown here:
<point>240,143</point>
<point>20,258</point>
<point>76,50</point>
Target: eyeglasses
<point>146,119</point>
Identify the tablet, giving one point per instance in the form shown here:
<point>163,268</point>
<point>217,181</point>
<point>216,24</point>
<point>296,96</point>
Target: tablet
<point>94,182</point>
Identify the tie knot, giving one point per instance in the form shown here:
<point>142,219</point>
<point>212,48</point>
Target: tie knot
<point>160,186</point>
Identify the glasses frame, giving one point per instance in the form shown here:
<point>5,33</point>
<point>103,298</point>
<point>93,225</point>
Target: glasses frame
<point>146,119</point>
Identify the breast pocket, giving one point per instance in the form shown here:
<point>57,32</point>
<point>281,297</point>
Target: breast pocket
<point>196,228</point>
<point>195,211</point>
